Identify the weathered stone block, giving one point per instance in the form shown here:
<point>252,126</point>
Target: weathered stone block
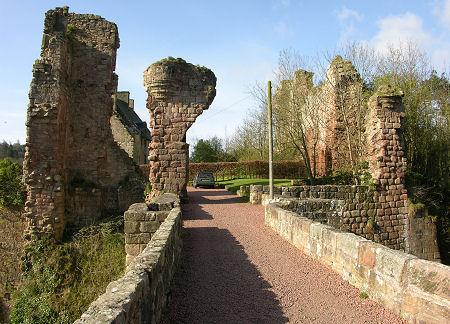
<point>131,227</point>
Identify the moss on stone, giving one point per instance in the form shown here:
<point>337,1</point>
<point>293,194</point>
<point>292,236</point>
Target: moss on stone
<point>388,90</point>
<point>169,59</point>
<point>179,60</point>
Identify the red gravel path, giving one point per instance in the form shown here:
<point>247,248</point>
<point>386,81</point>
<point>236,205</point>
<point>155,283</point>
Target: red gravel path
<point>236,270</point>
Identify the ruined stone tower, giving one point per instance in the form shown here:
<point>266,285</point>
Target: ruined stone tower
<point>73,168</point>
<point>178,92</point>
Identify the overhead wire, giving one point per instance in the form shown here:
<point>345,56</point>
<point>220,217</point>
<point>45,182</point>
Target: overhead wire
<point>221,111</point>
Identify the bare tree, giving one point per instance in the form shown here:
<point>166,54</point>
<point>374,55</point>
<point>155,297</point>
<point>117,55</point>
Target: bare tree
<point>250,139</point>
<point>296,110</point>
<point>347,85</point>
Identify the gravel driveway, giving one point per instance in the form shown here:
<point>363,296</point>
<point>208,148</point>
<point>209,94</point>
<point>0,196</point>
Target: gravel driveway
<point>236,270</point>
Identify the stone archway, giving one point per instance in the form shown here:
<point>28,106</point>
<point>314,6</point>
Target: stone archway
<point>178,92</point>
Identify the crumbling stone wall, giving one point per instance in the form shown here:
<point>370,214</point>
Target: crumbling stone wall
<point>143,293</point>
<point>344,116</point>
<point>378,212</point>
<point>72,166</point>
<point>333,114</point>
<point>178,92</point>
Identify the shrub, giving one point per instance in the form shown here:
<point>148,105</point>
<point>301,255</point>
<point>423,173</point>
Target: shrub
<point>62,280</point>
<point>12,190</point>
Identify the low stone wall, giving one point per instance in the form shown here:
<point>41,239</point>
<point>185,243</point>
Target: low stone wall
<point>142,293</point>
<point>363,210</point>
<point>415,289</point>
<point>142,220</point>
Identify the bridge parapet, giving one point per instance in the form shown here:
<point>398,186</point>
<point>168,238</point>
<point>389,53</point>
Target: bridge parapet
<point>141,294</point>
<point>362,210</point>
<point>415,289</point>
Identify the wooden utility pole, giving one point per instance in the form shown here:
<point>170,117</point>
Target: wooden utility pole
<point>269,87</point>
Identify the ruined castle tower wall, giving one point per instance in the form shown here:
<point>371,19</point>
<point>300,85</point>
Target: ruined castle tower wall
<point>343,116</point>
<point>387,164</point>
<point>73,167</point>
<point>178,92</point>
<point>374,129</point>
<point>43,164</point>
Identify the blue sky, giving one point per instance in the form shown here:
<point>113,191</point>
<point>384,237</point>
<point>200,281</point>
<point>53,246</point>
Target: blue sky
<point>238,40</point>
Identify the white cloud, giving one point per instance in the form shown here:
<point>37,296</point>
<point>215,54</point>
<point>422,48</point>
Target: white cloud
<point>442,11</point>
<point>347,19</point>
<point>394,30</point>
<point>346,14</point>
<point>441,58</point>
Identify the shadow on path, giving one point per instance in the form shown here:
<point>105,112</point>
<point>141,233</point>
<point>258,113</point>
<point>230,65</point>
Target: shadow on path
<point>215,281</point>
<point>211,196</point>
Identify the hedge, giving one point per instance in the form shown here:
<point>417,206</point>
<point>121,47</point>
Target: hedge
<point>247,169</point>
<point>250,169</point>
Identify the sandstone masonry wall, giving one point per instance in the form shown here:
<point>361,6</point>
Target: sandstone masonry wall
<point>343,116</point>
<point>333,114</point>
<point>142,293</point>
<point>72,167</point>
<point>178,92</point>
<point>414,289</point>
<point>142,220</point>
<point>128,130</point>
<point>380,214</point>
<point>356,209</point>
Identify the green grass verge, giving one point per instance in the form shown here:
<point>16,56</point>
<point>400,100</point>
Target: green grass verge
<point>234,184</point>
<point>65,278</point>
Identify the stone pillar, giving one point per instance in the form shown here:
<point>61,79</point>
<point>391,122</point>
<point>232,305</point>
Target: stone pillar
<point>178,92</point>
<point>387,164</point>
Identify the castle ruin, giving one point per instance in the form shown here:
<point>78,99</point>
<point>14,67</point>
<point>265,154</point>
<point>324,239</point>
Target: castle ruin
<point>73,168</point>
<point>178,92</point>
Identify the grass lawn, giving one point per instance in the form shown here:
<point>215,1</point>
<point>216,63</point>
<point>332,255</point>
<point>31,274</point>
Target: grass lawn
<point>233,185</point>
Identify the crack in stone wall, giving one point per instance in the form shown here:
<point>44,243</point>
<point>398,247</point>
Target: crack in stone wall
<point>73,168</point>
<point>178,92</point>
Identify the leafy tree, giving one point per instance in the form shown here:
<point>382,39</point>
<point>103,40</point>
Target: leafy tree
<point>15,152</point>
<point>298,118</point>
<point>427,101</point>
<point>210,150</point>
<point>12,191</point>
